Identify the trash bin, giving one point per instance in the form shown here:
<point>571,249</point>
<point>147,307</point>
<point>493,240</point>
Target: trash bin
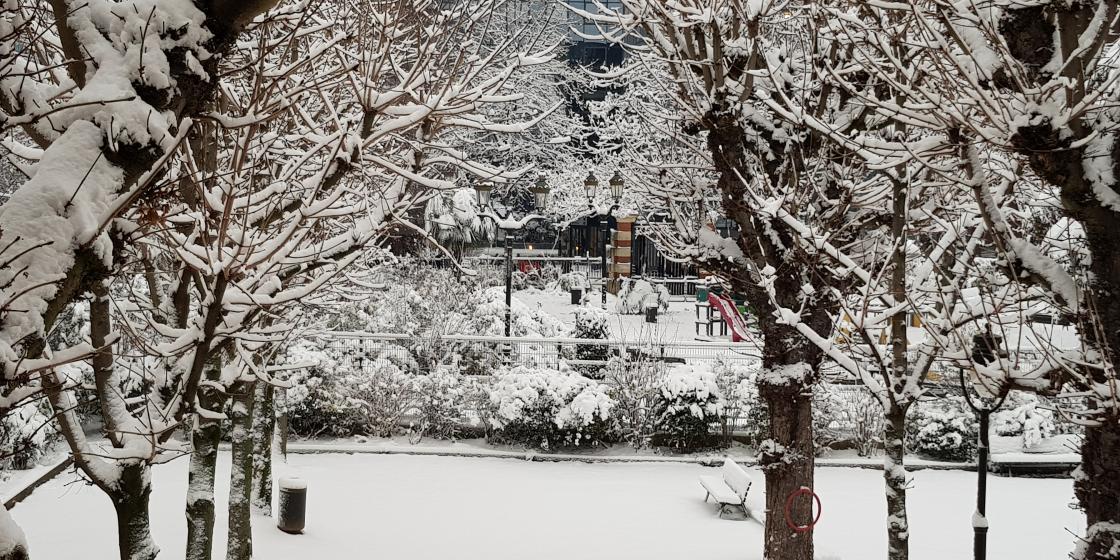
<point>651,314</point>
<point>293,505</point>
<point>577,296</point>
<point>702,294</point>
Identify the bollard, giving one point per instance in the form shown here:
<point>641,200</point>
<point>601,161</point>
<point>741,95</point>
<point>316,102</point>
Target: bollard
<point>577,296</point>
<point>293,505</point>
<point>651,314</point>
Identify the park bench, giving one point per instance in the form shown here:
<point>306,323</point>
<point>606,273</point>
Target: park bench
<point>729,488</point>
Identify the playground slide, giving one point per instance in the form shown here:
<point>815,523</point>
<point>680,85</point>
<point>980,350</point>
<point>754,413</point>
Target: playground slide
<point>730,315</point>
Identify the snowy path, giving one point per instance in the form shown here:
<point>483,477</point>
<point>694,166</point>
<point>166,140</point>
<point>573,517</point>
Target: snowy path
<point>418,507</point>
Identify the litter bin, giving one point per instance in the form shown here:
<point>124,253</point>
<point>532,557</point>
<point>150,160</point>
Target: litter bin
<point>577,296</point>
<point>651,314</point>
<point>702,294</point>
<point>293,505</point>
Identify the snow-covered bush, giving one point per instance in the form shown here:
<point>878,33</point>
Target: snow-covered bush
<point>754,424</point>
<point>591,323</point>
<point>849,415</point>
<point>944,429</point>
<point>440,400</point>
<point>637,295</point>
<point>549,409</point>
<point>1023,415</point>
<point>26,433</point>
<point>569,281</point>
<point>688,402</point>
<point>381,396</point>
<point>343,391</point>
<point>634,386</point>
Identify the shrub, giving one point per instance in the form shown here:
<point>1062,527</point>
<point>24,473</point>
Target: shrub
<point>634,386</point>
<point>592,323</point>
<point>549,409</point>
<point>688,402</point>
<point>636,295</point>
<point>440,399</point>
<point>847,415</point>
<point>944,429</point>
<point>1023,416</point>
<point>755,417</point>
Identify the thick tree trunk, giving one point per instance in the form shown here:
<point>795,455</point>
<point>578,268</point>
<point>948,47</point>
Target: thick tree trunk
<point>787,457</point>
<point>894,474</point>
<point>134,535</point>
<point>1098,490</point>
<point>787,462</point>
<point>264,427</point>
<point>240,545</point>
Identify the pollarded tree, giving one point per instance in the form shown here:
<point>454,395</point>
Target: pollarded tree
<point>718,63</point>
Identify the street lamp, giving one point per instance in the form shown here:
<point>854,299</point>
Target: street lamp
<point>985,348</point>
<point>501,214</point>
<point>591,187</point>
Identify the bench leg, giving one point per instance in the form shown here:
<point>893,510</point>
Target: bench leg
<point>706,496</point>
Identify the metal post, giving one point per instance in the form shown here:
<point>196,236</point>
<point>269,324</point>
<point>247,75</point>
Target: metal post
<point>980,525</point>
<point>509,279</point>
<point>606,232</point>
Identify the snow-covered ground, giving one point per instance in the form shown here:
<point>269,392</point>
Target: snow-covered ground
<point>428,507</point>
<point>676,325</point>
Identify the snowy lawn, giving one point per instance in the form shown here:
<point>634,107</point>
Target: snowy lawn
<point>428,507</point>
<point>676,325</point>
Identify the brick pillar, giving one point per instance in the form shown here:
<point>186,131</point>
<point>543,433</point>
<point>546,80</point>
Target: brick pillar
<point>621,250</point>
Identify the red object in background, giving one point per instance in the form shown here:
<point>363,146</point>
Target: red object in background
<point>730,315</point>
<point>803,491</point>
<point>526,266</point>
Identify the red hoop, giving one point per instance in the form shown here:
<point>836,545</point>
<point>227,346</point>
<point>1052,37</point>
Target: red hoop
<point>803,491</point>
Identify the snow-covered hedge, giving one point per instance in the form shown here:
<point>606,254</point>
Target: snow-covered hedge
<point>549,409</point>
<point>944,429</point>
<point>688,402</point>
<point>1022,415</point>
<point>637,295</point>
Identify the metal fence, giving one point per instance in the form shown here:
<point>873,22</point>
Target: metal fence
<point>482,355</point>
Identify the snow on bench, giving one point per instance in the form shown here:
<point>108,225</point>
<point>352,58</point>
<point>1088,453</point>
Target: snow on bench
<point>729,489</point>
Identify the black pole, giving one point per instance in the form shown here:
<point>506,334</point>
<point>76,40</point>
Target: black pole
<point>980,524</point>
<point>509,279</point>
<point>606,232</point>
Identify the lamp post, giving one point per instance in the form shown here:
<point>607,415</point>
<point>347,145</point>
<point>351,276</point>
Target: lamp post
<point>985,348</point>
<point>591,187</point>
<point>501,214</point>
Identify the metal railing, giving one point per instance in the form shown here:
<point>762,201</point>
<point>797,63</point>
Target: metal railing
<point>482,355</point>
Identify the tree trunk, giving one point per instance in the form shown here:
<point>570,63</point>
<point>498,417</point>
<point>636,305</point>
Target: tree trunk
<point>240,545</point>
<point>134,535</point>
<point>787,457</point>
<point>787,461</point>
<point>264,427</point>
<point>894,474</point>
<point>1098,490</point>
<point>200,483</point>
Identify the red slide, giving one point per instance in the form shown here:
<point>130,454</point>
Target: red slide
<point>730,315</point>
